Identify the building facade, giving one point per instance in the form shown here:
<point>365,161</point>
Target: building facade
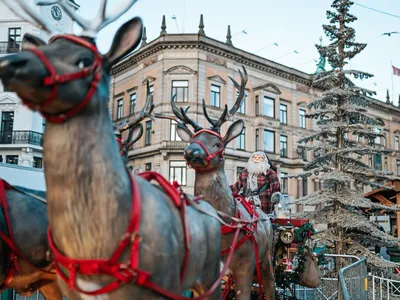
<point>21,130</point>
<point>197,67</point>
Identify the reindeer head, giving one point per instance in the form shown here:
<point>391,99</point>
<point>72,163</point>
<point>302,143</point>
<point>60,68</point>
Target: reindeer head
<point>207,146</point>
<point>68,75</point>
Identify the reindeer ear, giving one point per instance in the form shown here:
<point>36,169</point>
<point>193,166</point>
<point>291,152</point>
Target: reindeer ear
<point>137,132</point>
<point>234,130</point>
<point>126,40</point>
<point>31,41</point>
<point>184,133</point>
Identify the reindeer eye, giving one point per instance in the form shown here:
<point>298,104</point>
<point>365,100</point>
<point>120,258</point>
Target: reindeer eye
<point>217,145</point>
<point>85,62</point>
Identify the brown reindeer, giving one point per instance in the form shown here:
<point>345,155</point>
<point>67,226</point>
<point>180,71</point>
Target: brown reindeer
<point>206,155</point>
<point>91,197</point>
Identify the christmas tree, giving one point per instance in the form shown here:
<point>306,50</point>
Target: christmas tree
<point>347,134</point>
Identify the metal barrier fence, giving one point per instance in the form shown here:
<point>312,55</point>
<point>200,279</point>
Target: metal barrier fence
<point>384,288</point>
<point>353,281</point>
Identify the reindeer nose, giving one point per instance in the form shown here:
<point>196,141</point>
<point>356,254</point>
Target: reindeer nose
<point>191,152</point>
<point>10,64</point>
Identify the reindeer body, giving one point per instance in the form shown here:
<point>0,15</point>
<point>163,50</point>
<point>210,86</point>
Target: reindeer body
<point>89,191</point>
<point>205,155</point>
<point>29,223</point>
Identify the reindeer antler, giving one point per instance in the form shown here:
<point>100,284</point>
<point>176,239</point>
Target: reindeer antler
<point>216,124</point>
<point>145,112</point>
<point>29,14</point>
<point>92,27</point>
<point>181,114</point>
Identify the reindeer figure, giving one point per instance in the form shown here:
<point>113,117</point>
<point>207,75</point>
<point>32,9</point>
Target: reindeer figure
<point>135,129</point>
<point>205,155</point>
<point>24,264</point>
<point>106,241</point>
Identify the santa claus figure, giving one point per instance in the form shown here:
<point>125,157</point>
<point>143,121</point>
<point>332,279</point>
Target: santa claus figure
<point>258,182</point>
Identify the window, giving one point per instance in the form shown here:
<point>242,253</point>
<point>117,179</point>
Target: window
<point>268,107</point>
<point>302,118</point>
<point>359,138</point>
<point>12,159</point>
<point>239,170</point>
<point>43,125</point>
<point>257,139</point>
<point>132,103</point>
<point>386,167</point>
<point>215,95</point>
<point>396,143</point>
<point>269,141</point>
<point>177,171</point>
<point>240,140</point>
<point>147,167</point>
<point>37,162</point>
<point>7,126</point>
<point>385,139</point>
<point>398,167</point>
<point>283,146</point>
<point>283,113</point>
<point>257,110</point>
<point>120,108</point>
<point>147,138</point>
<point>14,40</point>
<point>174,135</point>
<point>284,183</point>
<point>303,153</point>
<point>378,138</point>
<point>318,185</point>
<point>304,186</point>
<point>242,108</point>
<point>181,89</point>
<point>378,161</point>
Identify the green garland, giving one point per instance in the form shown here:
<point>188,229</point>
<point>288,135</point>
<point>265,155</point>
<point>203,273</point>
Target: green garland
<point>301,235</point>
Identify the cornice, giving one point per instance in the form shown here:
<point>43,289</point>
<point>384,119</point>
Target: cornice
<point>202,44</point>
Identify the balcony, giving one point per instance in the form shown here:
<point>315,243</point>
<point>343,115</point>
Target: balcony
<point>21,137</point>
<point>9,47</point>
<point>176,144</point>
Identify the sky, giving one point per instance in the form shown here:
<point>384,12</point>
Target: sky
<point>295,25</point>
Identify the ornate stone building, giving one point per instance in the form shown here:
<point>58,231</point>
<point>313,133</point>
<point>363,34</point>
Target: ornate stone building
<point>197,67</point>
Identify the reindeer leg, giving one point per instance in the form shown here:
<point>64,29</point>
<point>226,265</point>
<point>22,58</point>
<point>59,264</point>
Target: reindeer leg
<point>243,280</point>
<point>51,291</point>
<point>267,276</point>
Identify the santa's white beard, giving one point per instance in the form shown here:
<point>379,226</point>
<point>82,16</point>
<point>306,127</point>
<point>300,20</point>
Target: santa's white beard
<point>257,168</point>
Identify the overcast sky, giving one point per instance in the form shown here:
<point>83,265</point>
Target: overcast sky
<point>293,24</point>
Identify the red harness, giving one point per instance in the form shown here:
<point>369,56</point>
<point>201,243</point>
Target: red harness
<point>54,79</point>
<point>210,156</point>
<point>130,273</point>
<point>249,230</point>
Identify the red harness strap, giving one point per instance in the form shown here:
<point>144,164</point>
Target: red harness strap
<point>177,195</point>
<point>123,273</point>
<point>250,231</point>
<point>12,265</point>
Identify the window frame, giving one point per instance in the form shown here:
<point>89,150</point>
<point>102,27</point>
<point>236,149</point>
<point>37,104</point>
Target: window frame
<point>146,167</point>
<point>273,106</point>
<point>213,94</point>
<point>284,182</point>
<point>172,130</point>
<point>183,174</point>
<point>37,159</point>
<point>120,108</point>
<point>283,152</point>
<point>302,118</point>
<point>132,103</point>
<point>10,157</point>
<point>396,142</point>
<point>242,108</point>
<point>241,140</point>
<point>185,92</point>
<point>147,137</point>
<point>283,113</point>
<point>273,141</point>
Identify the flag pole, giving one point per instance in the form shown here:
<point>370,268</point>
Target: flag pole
<point>392,82</point>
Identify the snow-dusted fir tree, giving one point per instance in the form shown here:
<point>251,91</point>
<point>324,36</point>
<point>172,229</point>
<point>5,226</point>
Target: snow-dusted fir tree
<point>342,112</point>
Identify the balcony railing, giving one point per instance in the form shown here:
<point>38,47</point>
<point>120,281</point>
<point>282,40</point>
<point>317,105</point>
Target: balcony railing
<point>21,137</point>
<point>176,144</point>
<point>9,47</point>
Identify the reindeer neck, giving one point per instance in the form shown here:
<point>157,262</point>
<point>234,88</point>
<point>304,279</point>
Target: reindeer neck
<point>215,188</point>
<point>88,190</point>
